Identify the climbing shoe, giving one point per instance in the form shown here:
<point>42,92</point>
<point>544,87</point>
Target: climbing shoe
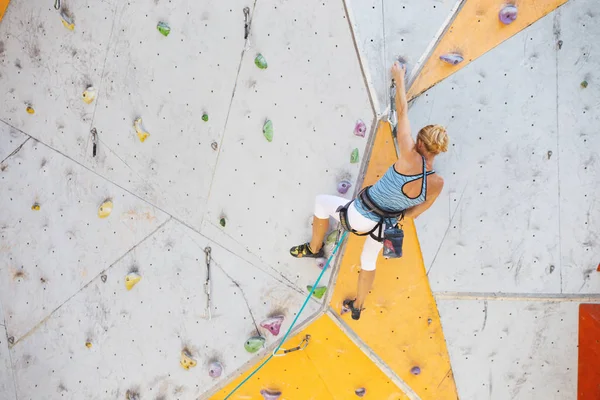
<point>304,250</point>
<point>349,304</point>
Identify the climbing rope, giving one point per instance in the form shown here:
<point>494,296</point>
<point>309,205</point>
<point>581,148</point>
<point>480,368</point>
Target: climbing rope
<point>305,340</point>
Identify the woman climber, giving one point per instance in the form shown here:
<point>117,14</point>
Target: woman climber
<point>409,187</point>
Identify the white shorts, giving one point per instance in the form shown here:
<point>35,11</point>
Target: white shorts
<point>326,206</point>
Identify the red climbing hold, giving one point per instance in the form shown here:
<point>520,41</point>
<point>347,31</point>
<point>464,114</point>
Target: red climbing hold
<point>270,394</point>
<point>598,269</point>
<point>273,324</point>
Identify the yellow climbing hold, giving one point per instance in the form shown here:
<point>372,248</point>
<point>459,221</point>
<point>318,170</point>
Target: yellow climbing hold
<point>30,110</point>
<point>105,209</point>
<point>89,95</point>
<point>35,207</point>
<point>131,279</point>
<point>142,134</point>
<point>67,21</point>
<point>187,361</point>
<point>88,345</point>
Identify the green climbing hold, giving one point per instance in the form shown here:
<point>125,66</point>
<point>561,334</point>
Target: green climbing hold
<point>163,28</point>
<point>319,292</point>
<point>205,117</point>
<point>223,222</point>
<point>253,344</point>
<point>261,62</point>
<point>584,84</point>
<point>354,156</point>
<point>331,238</point>
<point>268,130</point>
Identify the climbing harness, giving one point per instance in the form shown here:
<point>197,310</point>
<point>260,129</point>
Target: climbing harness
<point>305,341</point>
<point>301,346</point>
<point>207,251</point>
<point>392,236</point>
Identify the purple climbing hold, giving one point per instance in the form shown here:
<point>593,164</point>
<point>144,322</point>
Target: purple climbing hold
<point>215,369</point>
<point>321,262</point>
<point>345,308</point>
<point>415,370</point>
<point>451,58</point>
<point>360,129</point>
<point>360,392</point>
<point>508,14</point>
<point>273,324</point>
<point>343,187</point>
<point>270,394</point>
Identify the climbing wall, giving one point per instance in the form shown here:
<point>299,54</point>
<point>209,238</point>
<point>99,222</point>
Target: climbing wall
<point>476,29</point>
<point>386,29</point>
<point>335,367</point>
<point>400,323</point>
<point>250,110</point>
<point>509,246</point>
<point>144,330</point>
<point>313,93</point>
<point>10,140</point>
<point>520,349</point>
<point>7,386</point>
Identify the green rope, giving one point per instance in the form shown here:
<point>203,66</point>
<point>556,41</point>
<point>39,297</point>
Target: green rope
<point>295,319</point>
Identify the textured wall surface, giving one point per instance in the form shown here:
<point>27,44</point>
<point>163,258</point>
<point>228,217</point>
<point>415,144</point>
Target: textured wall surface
<point>387,29</point>
<point>510,248</point>
<point>511,245</point>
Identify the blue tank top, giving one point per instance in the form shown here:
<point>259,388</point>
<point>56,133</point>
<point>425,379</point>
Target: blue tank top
<point>387,194</point>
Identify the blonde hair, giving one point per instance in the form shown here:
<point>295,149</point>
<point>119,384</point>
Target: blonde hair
<point>434,138</point>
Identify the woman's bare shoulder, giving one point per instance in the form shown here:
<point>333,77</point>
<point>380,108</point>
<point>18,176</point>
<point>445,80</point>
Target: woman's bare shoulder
<point>435,182</point>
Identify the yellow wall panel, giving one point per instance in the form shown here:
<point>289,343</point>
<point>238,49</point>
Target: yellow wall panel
<point>476,30</point>
<point>400,322</point>
<point>3,6</point>
<point>331,367</point>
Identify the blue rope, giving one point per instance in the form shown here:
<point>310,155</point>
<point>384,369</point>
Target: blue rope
<point>295,319</point>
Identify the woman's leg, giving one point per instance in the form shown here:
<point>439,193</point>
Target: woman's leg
<point>368,262</point>
<point>325,207</point>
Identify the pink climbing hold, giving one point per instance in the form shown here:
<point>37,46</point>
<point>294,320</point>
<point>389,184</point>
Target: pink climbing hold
<point>508,14</point>
<point>343,187</point>
<point>360,392</point>
<point>270,394</point>
<point>215,369</point>
<point>273,324</point>
<point>452,58</point>
<point>321,262</point>
<point>360,129</point>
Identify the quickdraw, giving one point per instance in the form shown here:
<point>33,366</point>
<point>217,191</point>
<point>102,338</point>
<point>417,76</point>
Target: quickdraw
<point>301,346</point>
<point>207,251</point>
